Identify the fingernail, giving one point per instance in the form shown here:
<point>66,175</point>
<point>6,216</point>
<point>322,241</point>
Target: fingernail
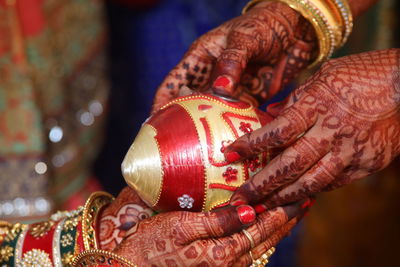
<point>222,81</point>
<point>296,209</point>
<point>238,203</point>
<point>260,208</point>
<point>308,203</point>
<point>246,214</point>
<point>232,156</point>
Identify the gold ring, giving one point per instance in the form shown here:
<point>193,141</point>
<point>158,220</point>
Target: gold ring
<point>263,260</point>
<point>251,256</point>
<point>249,237</point>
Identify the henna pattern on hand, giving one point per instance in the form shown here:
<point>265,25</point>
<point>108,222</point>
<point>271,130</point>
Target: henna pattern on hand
<point>257,53</point>
<point>206,239</point>
<point>349,113</point>
<point>121,216</point>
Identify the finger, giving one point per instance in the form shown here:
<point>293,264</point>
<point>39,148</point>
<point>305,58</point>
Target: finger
<point>266,81</point>
<point>273,240</point>
<point>228,249</point>
<point>216,224</point>
<point>267,224</point>
<point>349,174</point>
<point>193,71</point>
<point>283,169</point>
<point>245,260</point>
<point>232,62</point>
<point>314,181</point>
<point>282,131</point>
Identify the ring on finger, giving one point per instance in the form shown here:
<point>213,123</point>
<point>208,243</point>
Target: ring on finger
<point>251,256</point>
<point>250,238</point>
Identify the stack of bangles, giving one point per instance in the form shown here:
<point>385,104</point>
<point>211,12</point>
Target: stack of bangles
<point>67,239</point>
<point>331,19</point>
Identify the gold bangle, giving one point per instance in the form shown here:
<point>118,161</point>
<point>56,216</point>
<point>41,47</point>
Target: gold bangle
<point>93,205</point>
<point>344,10</point>
<point>96,257</point>
<point>331,20</point>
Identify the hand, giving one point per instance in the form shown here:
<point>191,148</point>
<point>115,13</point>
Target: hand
<point>207,239</point>
<point>341,125</point>
<point>123,214</point>
<point>250,57</point>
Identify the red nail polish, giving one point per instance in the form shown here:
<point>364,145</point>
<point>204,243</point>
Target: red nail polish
<point>306,204</point>
<point>238,203</point>
<point>274,105</point>
<point>246,214</point>
<point>222,81</point>
<point>232,156</point>
<point>260,208</point>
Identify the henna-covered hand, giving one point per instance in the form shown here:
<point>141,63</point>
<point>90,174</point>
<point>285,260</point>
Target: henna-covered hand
<point>207,239</point>
<point>250,57</point>
<point>341,125</point>
<point>126,211</point>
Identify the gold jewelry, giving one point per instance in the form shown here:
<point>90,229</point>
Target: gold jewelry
<point>93,205</point>
<point>249,237</point>
<point>263,260</point>
<point>101,257</point>
<point>251,256</point>
<point>347,19</point>
<point>331,20</point>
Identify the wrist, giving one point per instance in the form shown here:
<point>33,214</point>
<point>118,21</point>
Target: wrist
<point>122,215</point>
<point>294,24</point>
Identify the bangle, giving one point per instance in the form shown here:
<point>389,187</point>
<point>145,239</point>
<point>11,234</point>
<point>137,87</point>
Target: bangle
<point>93,205</point>
<point>331,20</point>
<point>98,257</point>
<point>347,19</point>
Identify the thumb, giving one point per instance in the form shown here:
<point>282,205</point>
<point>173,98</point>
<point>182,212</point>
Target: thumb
<point>229,68</point>
<point>218,223</point>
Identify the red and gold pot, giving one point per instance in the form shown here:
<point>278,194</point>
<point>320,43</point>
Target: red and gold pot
<point>176,161</point>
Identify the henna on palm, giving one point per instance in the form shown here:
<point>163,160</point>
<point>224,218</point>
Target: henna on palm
<point>350,113</point>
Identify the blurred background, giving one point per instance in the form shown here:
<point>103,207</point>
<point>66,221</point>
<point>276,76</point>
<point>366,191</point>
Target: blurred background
<point>77,78</point>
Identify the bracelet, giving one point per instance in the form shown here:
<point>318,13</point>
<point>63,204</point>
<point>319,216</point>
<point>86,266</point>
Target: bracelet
<point>331,20</point>
<point>93,205</point>
<point>347,18</point>
<point>55,242</point>
<point>100,257</point>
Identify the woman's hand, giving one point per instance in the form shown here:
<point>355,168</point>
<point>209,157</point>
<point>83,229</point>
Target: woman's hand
<point>250,57</point>
<point>207,239</point>
<point>341,125</point>
<point>124,213</point>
